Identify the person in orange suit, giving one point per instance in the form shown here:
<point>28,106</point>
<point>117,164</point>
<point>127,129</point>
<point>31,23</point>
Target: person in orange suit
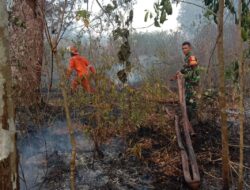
<point>83,69</point>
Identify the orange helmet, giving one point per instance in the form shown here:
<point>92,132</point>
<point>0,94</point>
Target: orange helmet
<point>73,50</point>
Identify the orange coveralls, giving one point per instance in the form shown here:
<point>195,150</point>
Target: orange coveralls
<point>81,65</point>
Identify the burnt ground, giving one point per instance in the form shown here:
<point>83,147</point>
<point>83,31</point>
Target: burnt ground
<point>147,157</point>
<point>164,161</point>
<point>166,167</point>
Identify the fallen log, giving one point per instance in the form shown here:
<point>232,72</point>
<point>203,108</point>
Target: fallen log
<point>189,162</point>
<point>182,101</point>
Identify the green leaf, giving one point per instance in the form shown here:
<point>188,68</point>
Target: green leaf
<point>208,2</point>
<point>151,15</point>
<point>244,34</point>
<point>122,75</point>
<point>115,4</point>
<point>131,15</point>
<point>84,14</point>
<point>156,23</point>
<point>163,17</point>
<point>117,20</point>
<point>168,7</point>
<point>130,18</point>
<point>108,9</point>
<point>157,8</point>
<point>123,33</point>
<point>124,52</point>
<point>146,17</point>
<point>162,2</point>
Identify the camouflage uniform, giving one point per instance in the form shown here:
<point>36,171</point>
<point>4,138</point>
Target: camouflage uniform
<point>192,77</point>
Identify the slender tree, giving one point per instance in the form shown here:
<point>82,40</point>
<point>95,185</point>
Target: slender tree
<point>222,99</point>
<point>59,17</point>
<point>68,120</point>
<point>241,87</point>
<point>8,158</point>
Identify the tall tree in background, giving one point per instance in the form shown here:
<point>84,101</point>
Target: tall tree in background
<point>241,89</point>
<point>26,52</point>
<point>222,98</point>
<point>242,20</point>
<point>8,158</point>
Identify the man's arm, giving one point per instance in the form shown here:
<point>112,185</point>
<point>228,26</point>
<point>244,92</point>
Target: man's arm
<point>91,68</point>
<point>192,63</point>
<point>185,69</point>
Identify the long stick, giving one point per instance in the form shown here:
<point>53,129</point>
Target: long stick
<point>69,124</point>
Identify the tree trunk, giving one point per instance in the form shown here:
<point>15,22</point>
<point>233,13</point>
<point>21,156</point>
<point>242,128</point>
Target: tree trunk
<point>241,102</point>
<point>222,99</point>
<point>8,157</point>
<point>26,52</point>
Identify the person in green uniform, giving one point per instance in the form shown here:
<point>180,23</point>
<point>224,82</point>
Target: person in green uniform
<point>191,74</point>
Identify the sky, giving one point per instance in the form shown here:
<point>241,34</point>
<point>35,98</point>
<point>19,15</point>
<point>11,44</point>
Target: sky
<point>139,13</point>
